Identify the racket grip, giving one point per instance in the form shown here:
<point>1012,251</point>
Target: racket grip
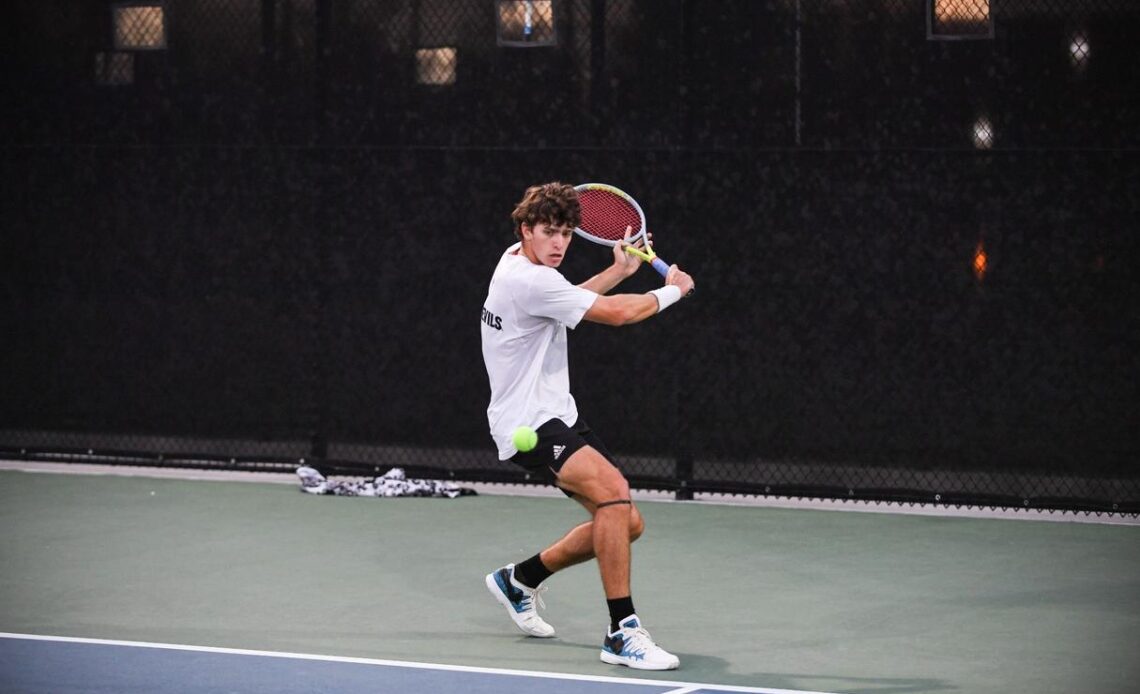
<point>663,267</point>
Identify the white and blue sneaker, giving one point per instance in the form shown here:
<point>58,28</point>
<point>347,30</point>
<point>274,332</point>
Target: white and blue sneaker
<point>632,646</point>
<point>519,601</point>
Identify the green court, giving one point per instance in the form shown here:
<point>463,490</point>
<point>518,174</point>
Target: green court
<point>746,596</point>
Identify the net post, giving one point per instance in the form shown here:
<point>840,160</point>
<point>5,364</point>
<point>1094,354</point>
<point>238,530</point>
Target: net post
<point>318,446</point>
<point>684,477</point>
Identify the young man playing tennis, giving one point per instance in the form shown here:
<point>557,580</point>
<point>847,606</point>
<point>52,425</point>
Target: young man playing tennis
<point>529,306</point>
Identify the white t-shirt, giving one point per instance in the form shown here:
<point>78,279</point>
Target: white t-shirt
<point>525,317</point>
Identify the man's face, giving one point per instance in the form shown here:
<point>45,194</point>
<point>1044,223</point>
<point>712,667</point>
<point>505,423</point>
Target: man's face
<point>548,243</point>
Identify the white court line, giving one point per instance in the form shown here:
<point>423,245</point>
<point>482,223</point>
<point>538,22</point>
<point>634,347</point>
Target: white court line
<point>678,687</point>
<point>914,508</point>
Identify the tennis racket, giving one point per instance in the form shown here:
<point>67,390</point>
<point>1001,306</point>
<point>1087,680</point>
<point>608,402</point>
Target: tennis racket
<point>606,212</point>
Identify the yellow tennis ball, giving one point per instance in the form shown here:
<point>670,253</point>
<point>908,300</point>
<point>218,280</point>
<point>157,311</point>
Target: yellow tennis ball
<point>525,439</point>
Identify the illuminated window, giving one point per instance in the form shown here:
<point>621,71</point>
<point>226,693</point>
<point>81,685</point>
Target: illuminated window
<point>983,133</point>
<point>526,23</point>
<point>959,19</point>
<point>436,66</point>
<point>114,69</point>
<point>1079,50</point>
<point>949,11</point>
<point>139,27</point>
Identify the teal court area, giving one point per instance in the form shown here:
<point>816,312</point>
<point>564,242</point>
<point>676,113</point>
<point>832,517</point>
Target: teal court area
<point>114,584</point>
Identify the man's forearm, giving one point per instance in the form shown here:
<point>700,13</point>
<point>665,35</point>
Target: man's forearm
<point>604,281</point>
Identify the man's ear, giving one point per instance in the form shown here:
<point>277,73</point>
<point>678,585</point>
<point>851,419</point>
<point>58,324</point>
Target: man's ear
<point>526,231</point>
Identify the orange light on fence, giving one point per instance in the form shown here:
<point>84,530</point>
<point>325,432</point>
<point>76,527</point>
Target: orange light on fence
<point>981,262</point>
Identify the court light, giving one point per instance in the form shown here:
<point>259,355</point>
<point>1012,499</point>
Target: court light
<point>436,66</point>
<point>139,26</point>
<point>1079,50</point>
<point>983,133</point>
<point>959,19</point>
<point>525,23</point>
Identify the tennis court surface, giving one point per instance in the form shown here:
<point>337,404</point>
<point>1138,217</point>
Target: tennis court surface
<point>114,584</point>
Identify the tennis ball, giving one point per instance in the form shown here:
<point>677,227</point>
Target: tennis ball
<point>525,439</point>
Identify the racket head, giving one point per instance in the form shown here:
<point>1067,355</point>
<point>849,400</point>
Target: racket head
<point>606,212</point>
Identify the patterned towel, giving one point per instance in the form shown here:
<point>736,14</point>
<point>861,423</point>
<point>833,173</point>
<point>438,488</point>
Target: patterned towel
<point>391,483</point>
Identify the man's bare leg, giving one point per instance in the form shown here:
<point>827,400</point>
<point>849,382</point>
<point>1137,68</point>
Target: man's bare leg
<point>517,591</point>
<point>589,476</point>
<point>577,545</point>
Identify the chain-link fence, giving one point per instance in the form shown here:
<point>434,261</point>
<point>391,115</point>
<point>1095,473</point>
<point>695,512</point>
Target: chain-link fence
<point>245,234</point>
<point>578,73</point>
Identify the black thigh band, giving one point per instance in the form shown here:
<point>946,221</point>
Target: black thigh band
<point>613,503</point>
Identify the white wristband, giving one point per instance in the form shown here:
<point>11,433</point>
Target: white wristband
<point>666,296</point>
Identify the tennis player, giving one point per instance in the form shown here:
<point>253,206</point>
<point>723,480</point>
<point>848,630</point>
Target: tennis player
<point>529,306</point>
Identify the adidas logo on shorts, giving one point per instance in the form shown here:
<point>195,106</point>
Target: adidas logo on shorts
<point>558,451</point>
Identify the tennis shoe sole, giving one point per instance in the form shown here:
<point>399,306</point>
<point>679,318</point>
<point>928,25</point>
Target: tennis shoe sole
<point>667,664</point>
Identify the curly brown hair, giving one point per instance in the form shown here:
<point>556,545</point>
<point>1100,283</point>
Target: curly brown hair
<point>553,203</point>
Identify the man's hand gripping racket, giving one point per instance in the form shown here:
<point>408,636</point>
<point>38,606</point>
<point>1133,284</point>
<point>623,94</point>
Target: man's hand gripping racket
<point>607,212</point>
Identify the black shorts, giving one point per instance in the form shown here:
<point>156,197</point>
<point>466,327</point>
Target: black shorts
<point>556,443</point>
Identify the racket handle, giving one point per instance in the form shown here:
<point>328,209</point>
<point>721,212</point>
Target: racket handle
<point>663,267</point>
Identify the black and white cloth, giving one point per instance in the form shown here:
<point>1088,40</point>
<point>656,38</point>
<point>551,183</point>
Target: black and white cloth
<point>390,484</point>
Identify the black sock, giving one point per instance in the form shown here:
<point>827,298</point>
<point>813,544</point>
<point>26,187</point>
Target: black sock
<point>620,608</point>
<point>532,572</point>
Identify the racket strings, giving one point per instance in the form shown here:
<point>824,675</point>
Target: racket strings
<point>606,215</point>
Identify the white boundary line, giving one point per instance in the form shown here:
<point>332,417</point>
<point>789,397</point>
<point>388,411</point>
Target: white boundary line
<point>501,489</point>
<point>678,687</point>
<point>143,471</point>
<point>911,508</point>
